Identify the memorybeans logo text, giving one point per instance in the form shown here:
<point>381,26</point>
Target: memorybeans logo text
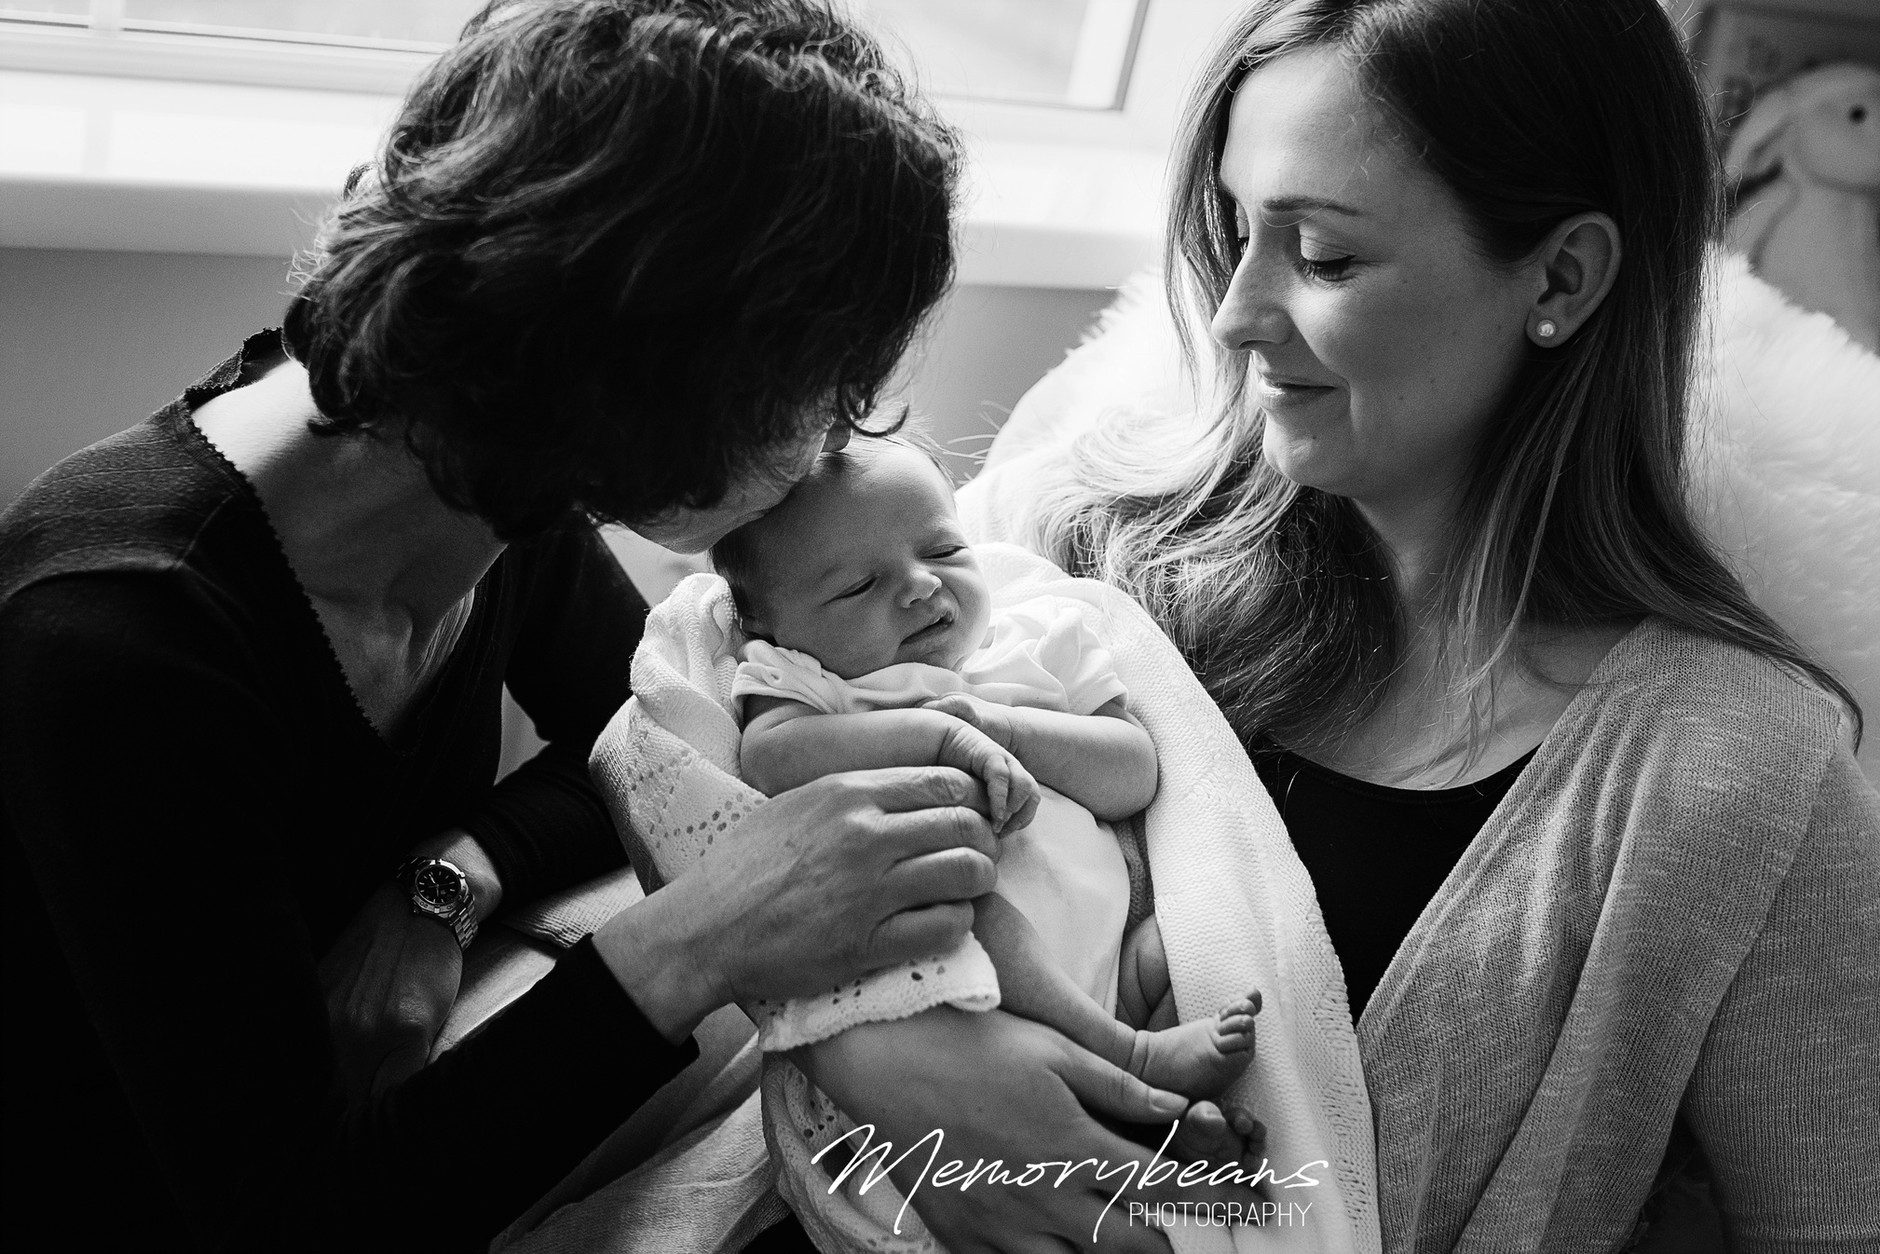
<point>881,1159</point>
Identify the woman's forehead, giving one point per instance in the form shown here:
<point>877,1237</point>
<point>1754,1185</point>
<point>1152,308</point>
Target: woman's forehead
<point>1304,137</point>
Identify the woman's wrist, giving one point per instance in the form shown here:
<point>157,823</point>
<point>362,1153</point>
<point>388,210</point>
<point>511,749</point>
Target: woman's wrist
<point>653,954</point>
<point>461,848</point>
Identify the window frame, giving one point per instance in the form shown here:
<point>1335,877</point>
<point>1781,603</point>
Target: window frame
<point>1157,63</point>
<point>1057,197</point>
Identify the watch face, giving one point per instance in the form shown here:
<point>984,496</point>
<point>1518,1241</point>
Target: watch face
<point>439,888</point>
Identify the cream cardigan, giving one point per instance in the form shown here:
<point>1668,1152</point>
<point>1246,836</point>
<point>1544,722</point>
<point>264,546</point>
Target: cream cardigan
<point>1677,906</point>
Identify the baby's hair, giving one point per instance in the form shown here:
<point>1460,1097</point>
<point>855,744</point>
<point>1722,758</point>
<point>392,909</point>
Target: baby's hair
<point>735,556</point>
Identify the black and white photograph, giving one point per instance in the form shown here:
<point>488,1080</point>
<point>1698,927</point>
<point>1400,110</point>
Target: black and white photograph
<point>940,626</point>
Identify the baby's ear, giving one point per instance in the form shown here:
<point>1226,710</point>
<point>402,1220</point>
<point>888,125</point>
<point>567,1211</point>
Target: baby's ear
<point>752,624</point>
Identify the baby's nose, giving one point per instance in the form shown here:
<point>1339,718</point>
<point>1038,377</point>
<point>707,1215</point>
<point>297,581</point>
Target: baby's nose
<point>921,585</point>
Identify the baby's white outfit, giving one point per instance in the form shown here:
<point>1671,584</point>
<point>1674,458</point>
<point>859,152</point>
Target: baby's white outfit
<point>1065,872</point>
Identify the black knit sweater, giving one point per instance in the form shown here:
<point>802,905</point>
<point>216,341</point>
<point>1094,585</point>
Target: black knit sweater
<point>194,806</point>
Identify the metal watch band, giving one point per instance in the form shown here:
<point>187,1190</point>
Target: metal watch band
<point>462,919</point>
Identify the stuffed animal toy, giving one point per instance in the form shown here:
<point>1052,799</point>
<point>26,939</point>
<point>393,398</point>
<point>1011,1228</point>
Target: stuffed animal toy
<point>1806,166</point>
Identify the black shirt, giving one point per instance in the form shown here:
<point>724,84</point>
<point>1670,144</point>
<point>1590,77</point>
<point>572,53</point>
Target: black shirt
<point>194,806</point>
<point>1376,855</point>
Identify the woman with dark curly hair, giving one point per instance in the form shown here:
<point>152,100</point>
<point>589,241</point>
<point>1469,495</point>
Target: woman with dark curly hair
<point>620,260</point>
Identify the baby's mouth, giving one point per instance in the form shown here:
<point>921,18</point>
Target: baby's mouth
<point>936,628</point>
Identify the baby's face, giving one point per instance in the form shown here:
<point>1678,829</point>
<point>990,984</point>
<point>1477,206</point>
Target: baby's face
<point>866,566</point>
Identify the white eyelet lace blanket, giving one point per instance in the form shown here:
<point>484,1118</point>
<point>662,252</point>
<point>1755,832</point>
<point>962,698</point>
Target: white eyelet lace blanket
<point>1236,908</point>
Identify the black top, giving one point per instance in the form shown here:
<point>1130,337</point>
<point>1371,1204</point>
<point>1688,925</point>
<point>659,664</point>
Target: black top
<point>194,806</point>
<point>1377,855</point>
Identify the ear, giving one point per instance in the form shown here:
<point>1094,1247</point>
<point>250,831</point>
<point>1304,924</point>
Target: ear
<point>754,627</point>
<point>1576,268</point>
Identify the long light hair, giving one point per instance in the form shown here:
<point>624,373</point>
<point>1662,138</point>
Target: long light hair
<point>1281,596</point>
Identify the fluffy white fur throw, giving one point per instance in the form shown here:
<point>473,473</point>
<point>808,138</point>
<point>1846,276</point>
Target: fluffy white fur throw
<point>1784,451</point>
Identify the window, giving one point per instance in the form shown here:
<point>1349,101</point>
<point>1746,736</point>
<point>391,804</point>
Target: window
<point>1074,53</point>
<point>1066,53</point>
<point>226,125</point>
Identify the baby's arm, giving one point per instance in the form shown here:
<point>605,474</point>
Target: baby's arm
<point>787,744</point>
<point>1103,760</point>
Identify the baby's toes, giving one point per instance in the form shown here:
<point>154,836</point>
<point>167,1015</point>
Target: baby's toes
<point>1248,1005</point>
<point>1206,1134</point>
<point>1232,1035</point>
<point>1249,1129</point>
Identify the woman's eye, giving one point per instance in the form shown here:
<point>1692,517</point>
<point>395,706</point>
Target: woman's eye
<point>1325,269</point>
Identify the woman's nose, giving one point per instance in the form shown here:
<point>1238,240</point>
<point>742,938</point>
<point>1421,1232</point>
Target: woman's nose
<point>1249,315</point>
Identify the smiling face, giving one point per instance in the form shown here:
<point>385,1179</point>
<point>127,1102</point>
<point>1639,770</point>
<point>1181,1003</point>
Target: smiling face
<point>1381,340</point>
<point>864,565</point>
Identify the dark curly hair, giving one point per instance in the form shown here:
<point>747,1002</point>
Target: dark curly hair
<point>616,251</point>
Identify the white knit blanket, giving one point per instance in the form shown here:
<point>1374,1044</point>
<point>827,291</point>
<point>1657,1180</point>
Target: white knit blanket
<point>1236,908</point>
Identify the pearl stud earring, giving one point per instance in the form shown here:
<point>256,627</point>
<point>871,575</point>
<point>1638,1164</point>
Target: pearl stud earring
<point>1546,329</point>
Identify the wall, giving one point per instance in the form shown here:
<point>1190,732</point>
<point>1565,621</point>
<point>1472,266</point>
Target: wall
<point>91,342</point>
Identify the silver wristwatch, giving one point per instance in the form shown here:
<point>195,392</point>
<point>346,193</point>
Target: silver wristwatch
<point>439,889</point>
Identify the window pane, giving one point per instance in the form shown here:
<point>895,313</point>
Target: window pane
<point>1073,53</point>
<point>1068,52</point>
<point>39,8</point>
<point>421,21</point>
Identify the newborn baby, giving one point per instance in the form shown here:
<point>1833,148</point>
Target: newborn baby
<point>874,644</point>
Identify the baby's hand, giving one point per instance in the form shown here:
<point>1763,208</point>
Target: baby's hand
<point>1010,789</point>
<point>989,717</point>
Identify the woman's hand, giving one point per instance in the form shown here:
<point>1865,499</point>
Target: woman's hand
<point>1002,1087</point>
<point>392,976</point>
<point>816,887</point>
<point>390,979</point>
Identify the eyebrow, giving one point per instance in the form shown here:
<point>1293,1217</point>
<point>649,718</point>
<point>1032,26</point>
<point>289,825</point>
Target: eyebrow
<point>1284,206</point>
<point>1281,206</point>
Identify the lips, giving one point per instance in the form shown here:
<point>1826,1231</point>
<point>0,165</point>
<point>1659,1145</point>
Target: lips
<point>1280,385</point>
<point>932,631</point>
<point>1277,394</point>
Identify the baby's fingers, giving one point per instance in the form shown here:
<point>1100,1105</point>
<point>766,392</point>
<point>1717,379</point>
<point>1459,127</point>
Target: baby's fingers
<point>957,704</point>
<point>998,794</point>
<point>1024,795</point>
<point>1022,815</point>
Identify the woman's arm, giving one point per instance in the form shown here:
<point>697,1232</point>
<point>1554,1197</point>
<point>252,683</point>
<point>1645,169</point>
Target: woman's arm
<point>1786,1094</point>
<point>149,785</point>
<point>545,827</point>
<point>392,978</point>
<point>1104,760</point>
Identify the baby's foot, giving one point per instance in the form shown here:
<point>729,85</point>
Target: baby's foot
<point>1209,1133</point>
<point>1200,1058</point>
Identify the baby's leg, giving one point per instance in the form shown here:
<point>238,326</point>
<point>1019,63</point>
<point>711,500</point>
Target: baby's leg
<point>1146,996</point>
<point>1034,986</point>
<point>1200,1058</point>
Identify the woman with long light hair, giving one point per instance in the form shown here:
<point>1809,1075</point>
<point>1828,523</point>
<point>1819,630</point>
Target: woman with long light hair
<point>1584,823</point>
